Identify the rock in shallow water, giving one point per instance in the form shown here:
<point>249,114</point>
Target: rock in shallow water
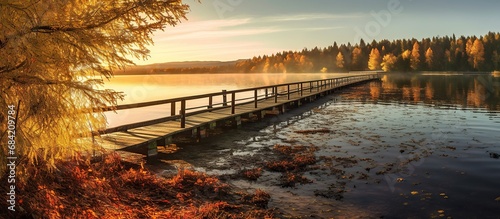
<point>494,155</point>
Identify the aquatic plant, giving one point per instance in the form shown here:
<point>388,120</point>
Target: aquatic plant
<point>252,174</point>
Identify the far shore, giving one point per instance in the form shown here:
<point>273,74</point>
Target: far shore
<point>390,72</point>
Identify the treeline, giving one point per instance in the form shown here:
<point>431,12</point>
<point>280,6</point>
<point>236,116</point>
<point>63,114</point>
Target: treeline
<point>196,70</point>
<point>430,54</point>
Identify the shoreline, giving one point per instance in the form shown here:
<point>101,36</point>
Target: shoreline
<point>346,72</point>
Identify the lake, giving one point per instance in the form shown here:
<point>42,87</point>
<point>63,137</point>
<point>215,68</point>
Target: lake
<point>144,88</point>
<point>411,146</point>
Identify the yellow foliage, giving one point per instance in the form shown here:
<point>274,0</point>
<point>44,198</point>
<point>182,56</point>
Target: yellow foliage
<point>374,60</point>
<point>429,55</point>
<point>356,56</point>
<point>477,53</point>
<point>415,56</point>
<point>54,57</point>
<point>406,54</point>
<point>388,62</point>
<point>340,60</point>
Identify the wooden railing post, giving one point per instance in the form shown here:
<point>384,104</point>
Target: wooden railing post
<point>267,93</point>
<point>183,113</point>
<point>210,102</point>
<point>288,91</point>
<point>301,89</point>
<point>172,109</point>
<point>255,97</point>
<point>275,94</point>
<point>224,98</point>
<point>233,102</point>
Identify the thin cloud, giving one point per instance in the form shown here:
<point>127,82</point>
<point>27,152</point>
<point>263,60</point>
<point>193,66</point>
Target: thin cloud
<point>233,38</point>
<point>308,17</point>
<point>189,27</point>
<point>204,35</point>
<point>229,28</point>
<point>315,28</point>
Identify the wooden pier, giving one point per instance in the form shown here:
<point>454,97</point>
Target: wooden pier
<point>217,109</point>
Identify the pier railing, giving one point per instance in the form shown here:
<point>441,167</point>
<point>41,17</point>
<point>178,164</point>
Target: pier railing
<point>179,109</point>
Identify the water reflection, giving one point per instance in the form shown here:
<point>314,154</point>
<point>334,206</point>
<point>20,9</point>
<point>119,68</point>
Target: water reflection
<point>429,91</point>
<point>374,91</point>
<point>466,91</point>
<point>142,88</point>
<point>423,162</point>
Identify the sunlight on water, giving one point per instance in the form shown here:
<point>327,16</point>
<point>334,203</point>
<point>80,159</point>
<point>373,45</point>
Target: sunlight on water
<point>144,88</point>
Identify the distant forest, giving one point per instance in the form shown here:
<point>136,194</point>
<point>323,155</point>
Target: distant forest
<point>430,54</point>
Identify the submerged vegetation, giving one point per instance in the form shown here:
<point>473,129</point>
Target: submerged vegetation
<point>292,162</point>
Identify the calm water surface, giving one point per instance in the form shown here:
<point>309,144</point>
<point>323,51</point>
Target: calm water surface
<point>144,88</point>
<point>411,146</point>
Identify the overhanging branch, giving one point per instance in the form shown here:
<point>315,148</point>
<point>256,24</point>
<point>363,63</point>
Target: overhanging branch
<point>5,69</point>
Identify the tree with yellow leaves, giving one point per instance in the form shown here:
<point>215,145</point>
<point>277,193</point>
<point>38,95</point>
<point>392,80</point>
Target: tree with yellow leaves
<point>340,60</point>
<point>429,55</point>
<point>305,64</point>
<point>374,60</point>
<point>357,58</point>
<point>388,62</point>
<point>415,56</point>
<point>54,57</point>
<point>477,54</point>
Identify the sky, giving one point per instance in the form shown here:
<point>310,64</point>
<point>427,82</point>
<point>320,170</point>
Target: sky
<point>226,30</point>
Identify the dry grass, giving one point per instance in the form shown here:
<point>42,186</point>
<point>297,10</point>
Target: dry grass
<point>259,199</point>
<point>292,158</point>
<point>281,165</point>
<point>252,174</point>
<point>290,179</point>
